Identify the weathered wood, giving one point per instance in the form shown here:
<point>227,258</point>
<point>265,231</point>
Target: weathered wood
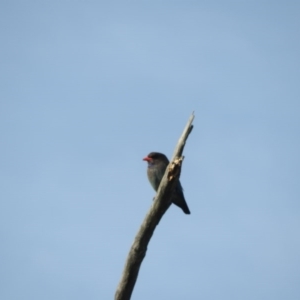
<point>159,206</point>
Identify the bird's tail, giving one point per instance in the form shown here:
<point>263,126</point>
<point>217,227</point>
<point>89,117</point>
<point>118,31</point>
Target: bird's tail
<point>180,202</point>
<point>184,207</point>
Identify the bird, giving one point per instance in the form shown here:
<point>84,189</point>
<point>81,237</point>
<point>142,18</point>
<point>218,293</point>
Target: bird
<point>157,164</point>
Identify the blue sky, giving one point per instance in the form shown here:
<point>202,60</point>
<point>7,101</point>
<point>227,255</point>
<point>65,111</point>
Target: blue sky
<point>89,88</point>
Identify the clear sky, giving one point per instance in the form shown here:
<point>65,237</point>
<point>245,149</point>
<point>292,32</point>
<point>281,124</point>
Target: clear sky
<point>88,88</point>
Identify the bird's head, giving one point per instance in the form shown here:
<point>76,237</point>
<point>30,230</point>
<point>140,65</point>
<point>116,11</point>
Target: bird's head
<point>156,157</point>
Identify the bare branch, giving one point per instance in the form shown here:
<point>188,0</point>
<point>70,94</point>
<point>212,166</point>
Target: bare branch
<point>160,205</point>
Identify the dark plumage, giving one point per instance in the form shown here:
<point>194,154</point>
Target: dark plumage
<point>157,163</point>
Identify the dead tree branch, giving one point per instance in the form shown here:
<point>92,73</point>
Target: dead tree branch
<point>160,205</point>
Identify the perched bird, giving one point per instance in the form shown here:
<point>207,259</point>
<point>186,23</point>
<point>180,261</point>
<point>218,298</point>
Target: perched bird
<point>157,164</point>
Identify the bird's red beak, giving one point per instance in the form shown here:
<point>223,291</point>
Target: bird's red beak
<point>147,158</point>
